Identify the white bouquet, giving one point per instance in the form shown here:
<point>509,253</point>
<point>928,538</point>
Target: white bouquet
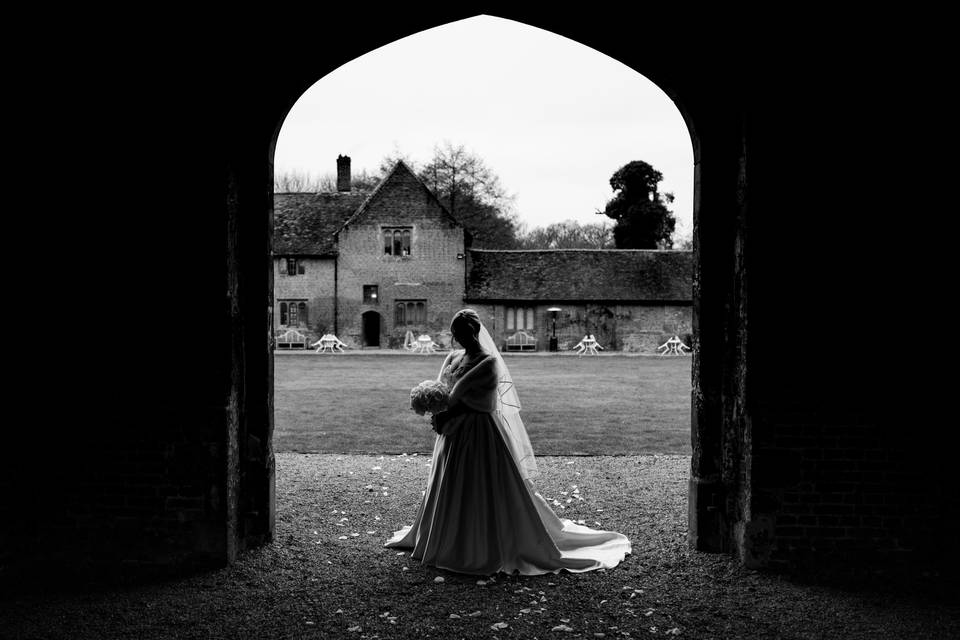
<point>429,395</point>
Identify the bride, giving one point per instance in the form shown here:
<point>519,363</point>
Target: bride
<point>480,513</point>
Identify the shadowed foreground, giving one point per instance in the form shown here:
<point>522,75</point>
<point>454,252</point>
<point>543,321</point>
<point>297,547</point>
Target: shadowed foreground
<point>328,575</point>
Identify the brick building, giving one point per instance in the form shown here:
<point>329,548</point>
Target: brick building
<point>368,267</point>
<point>372,266</point>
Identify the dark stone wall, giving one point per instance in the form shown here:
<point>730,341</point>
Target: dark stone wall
<point>846,464</point>
<point>158,457</point>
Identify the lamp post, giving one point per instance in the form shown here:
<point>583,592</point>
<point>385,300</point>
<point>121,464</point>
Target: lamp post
<point>553,340</point>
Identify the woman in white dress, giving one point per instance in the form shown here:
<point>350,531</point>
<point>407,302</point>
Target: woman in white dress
<point>480,513</point>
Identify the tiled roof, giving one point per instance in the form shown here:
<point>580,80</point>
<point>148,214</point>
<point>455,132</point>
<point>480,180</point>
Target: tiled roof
<point>305,223</point>
<point>580,274</point>
<point>398,174</point>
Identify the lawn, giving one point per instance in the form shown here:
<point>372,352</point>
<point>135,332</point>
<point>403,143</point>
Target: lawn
<point>571,406</point>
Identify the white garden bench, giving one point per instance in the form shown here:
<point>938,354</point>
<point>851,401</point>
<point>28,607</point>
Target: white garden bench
<point>291,339</point>
<point>521,341</point>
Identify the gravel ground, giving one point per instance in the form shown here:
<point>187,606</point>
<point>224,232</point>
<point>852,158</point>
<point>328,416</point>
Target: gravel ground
<point>328,575</point>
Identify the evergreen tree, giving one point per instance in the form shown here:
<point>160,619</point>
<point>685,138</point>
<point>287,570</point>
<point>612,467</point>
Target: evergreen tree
<point>642,219</point>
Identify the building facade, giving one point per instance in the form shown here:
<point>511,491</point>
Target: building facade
<point>630,300</point>
<point>368,267</point>
<point>375,267</point>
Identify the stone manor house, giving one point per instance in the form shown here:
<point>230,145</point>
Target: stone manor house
<point>372,266</point>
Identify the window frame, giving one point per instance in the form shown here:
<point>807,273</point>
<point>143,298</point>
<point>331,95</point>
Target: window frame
<point>520,318</point>
<point>410,312</point>
<point>290,308</point>
<point>373,289</point>
<point>400,240</point>
<point>292,267</point>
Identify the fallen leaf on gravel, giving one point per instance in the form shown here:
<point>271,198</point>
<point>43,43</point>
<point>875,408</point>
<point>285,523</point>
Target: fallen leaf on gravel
<point>400,553</point>
<point>371,532</point>
<point>482,583</point>
<point>454,616</point>
<point>405,569</point>
<point>474,614</point>
<point>342,538</point>
<point>524,610</point>
<point>354,629</point>
<point>310,622</point>
<point>496,626</point>
<point>673,632</point>
<point>649,613</point>
<point>354,534</point>
<point>562,627</point>
<point>376,468</point>
<point>564,619</point>
<point>439,579</point>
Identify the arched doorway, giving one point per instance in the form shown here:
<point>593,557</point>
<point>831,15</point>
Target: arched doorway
<point>371,329</point>
<point>710,301</point>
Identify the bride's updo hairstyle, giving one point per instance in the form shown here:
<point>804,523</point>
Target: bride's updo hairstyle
<point>469,318</point>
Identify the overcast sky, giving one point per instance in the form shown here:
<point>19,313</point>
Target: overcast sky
<point>551,117</point>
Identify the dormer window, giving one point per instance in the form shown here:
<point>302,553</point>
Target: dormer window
<point>396,241</point>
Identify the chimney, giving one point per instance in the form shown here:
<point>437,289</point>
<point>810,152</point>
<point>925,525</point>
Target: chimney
<point>343,173</point>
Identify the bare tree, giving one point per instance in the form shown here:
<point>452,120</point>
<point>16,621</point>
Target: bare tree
<point>472,192</point>
<point>293,181</point>
<point>569,234</point>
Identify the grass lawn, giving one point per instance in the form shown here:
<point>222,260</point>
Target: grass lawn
<point>604,405</point>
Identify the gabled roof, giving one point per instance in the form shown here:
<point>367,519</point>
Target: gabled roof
<point>613,275</point>
<point>305,223</point>
<point>399,171</point>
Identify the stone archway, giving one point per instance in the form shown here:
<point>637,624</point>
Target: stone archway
<point>192,483</point>
<point>718,139</point>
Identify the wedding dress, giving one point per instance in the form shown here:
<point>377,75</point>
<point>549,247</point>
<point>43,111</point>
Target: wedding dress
<point>480,513</point>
